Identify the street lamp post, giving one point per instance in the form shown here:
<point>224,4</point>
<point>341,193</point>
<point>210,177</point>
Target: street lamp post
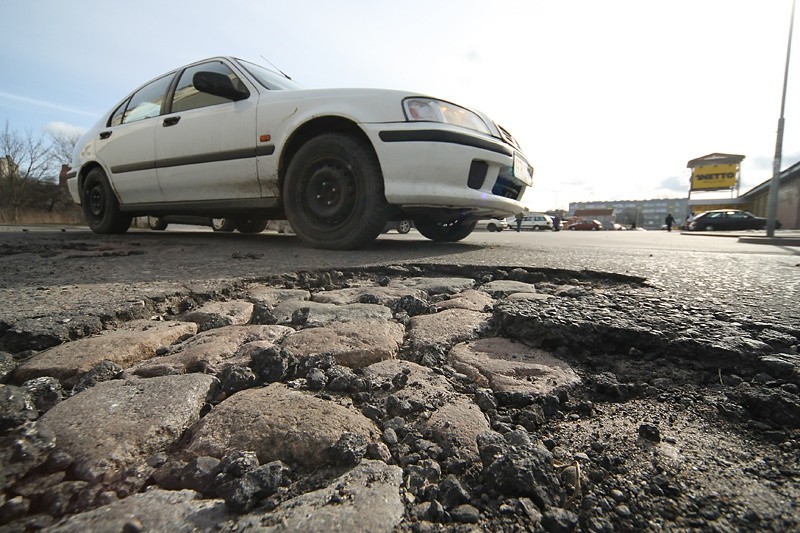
<point>774,184</point>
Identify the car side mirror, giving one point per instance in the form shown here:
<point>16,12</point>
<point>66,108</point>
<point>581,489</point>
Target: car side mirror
<point>218,85</point>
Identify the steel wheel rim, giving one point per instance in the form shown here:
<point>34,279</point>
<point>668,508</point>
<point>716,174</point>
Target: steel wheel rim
<point>330,196</point>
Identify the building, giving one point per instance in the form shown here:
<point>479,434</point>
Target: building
<point>756,200</point>
<point>648,214</point>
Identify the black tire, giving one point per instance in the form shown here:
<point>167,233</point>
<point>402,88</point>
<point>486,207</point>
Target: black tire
<point>333,193</point>
<point>709,227</point>
<point>404,226</point>
<point>156,223</point>
<point>536,228</point>
<point>492,228</point>
<point>100,205</point>
<point>222,224</point>
<point>445,231</point>
<point>251,225</point>
<point>572,228</point>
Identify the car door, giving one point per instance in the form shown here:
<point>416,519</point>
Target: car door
<point>205,145</point>
<point>127,145</point>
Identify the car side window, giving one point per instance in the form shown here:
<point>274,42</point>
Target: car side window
<point>187,97</point>
<point>116,116</point>
<point>147,101</point>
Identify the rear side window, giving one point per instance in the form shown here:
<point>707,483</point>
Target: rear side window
<point>116,116</point>
<point>147,101</point>
<point>187,97</point>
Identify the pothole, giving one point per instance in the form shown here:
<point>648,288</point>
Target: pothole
<point>439,396</point>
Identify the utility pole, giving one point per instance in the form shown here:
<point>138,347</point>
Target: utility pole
<point>774,184</point>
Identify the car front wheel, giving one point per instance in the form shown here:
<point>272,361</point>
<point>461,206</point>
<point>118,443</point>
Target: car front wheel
<point>251,225</point>
<point>404,226</point>
<point>156,223</point>
<point>445,231</point>
<point>492,228</point>
<point>222,224</point>
<point>333,193</point>
<point>100,205</point>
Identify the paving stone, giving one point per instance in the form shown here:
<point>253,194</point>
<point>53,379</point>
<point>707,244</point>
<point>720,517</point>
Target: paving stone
<point>502,287</point>
<point>506,366</point>
<point>271,296</point>
<point>315,314</point>
<point>470,299</point>
<point>278,424</point>
<point>366,498</point>
<point>154,510</point>
<point>111,429</point>
<point>528,296</point>
<point>352,344</point>
<point>388,296</point>
<point>212,350</point>
<point>218,314</point>
<point>437,285</point>
<point>446,328</point>
<point>135,341</point>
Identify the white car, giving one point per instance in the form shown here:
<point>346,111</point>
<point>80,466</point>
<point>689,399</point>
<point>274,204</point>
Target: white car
<point>225,138</point>
<point>532,221</point>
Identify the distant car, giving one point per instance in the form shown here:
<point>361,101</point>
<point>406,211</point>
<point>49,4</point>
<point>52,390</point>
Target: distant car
<point>532,222</point>
<point>400,226</point>
<point>495,224</point>
<point>728,219</point>
<point>586,225</point>
<point>225,138</point>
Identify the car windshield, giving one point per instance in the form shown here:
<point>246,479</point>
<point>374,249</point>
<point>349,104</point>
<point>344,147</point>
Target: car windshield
<point>268,78</point>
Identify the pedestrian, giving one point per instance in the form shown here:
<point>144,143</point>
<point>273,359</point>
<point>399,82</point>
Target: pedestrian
<point>556,223</point>
<point>519,221</point>
<point>690,219</point>
<point>669,221</point>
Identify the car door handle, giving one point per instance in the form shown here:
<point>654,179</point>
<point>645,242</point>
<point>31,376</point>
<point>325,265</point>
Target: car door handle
<point>171,121</point>
<point>105,134</point>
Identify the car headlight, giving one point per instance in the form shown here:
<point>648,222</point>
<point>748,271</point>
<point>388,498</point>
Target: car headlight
<point>432,110</point>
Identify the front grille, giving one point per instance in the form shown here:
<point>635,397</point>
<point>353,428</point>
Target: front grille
<point>506,188</point>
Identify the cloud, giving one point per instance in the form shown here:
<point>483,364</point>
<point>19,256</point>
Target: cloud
<point>44,103</point>
<point>62,128</point>
<point>673,184</point>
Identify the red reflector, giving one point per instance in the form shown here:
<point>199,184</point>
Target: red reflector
<point>265,138</point>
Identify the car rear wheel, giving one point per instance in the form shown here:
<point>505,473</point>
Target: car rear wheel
<point>100,205</point>
<point>333,193</point>
<point>536,228</point>
<point>492,228</point>
<point>251,225</point>
<point>222,224</point>
<point>156,223</point>
<point>445,231</point>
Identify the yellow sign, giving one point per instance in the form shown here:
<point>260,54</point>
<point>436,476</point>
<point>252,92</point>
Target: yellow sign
<point>711,177</point>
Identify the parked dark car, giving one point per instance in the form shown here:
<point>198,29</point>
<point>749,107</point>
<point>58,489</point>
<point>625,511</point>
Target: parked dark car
<point>586,225</point>
<point>728,219</point>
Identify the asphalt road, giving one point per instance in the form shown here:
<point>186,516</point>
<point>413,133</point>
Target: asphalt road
<point>712,271</point>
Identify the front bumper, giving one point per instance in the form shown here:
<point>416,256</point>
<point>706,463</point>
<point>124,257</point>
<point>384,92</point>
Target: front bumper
<point>436,165</point>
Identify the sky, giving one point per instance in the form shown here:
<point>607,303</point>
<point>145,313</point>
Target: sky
<point>608,99</point>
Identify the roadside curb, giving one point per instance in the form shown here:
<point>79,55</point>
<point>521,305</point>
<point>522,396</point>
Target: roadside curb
<point>792,239</point>
<point>777,241</point>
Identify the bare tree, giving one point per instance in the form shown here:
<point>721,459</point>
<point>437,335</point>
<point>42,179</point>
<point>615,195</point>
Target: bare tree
<point>62,143</point>
<point>26,160</point>
<point>630,216</point>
